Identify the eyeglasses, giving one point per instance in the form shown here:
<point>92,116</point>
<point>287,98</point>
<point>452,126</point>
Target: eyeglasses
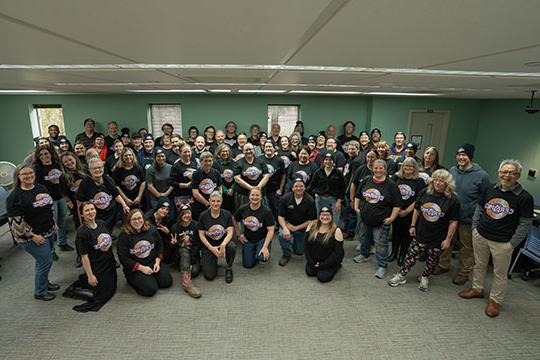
<point>508,173</point>
<point>96,168</point>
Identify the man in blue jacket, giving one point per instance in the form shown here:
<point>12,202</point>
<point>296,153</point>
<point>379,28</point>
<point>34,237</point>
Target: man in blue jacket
<point>472,183</point>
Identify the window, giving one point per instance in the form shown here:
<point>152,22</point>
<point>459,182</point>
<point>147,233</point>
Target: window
<point>42,116</point>
<point>165,113</point>
<point>284,115</point>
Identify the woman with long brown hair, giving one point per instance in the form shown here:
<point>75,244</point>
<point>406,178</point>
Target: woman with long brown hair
<point>324,247</point>
<point>140,250</point>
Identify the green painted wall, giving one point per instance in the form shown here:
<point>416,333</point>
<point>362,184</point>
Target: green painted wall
<point>198,110</point>
<point>506,132</point>
<point>484,123</point>
<point>392,114</point>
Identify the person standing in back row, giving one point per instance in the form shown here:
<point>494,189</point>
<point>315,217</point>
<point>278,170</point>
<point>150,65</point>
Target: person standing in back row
<point>471,184</point>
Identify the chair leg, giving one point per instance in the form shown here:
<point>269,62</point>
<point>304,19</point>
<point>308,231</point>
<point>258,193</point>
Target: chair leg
<point>513,266</point>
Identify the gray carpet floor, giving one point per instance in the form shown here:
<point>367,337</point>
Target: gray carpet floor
<point>268,312</point>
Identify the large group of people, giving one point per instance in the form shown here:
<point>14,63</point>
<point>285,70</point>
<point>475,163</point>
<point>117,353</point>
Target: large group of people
<point>189,202</point>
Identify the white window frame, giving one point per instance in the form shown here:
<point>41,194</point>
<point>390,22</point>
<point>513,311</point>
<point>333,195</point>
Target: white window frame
<point>156,130</point>
<point>289,125</point>
<point>35,121</point>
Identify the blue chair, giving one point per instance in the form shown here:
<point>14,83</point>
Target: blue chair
<point>531,249</point>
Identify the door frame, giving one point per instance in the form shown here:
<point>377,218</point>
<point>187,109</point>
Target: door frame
<point>445,125</point>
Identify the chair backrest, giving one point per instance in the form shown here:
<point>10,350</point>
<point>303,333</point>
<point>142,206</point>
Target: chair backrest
<point>533,241</point>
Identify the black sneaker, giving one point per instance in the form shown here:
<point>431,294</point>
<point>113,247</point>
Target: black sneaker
<point>228,275</point>
<point>47,297</point>
<point>53,287</point>
<point>284,260</point>
<point>54,256</point>
<point>66,247</point>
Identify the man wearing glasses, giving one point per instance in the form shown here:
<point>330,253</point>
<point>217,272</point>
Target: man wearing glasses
<point>501,221</point>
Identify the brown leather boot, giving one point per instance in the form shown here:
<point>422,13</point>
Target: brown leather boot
<point>492,308</point>
<point>471,294</point>
<point>439,270</point>
<point>188,285</point>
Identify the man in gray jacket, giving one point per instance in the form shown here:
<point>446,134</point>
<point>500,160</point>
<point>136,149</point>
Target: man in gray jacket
<point>471,185</point>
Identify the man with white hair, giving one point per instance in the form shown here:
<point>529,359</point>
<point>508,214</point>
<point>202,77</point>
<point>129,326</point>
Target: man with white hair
<point>501,221</point>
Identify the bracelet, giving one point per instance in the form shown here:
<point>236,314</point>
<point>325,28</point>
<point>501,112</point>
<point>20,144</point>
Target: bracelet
<point>413,226</point>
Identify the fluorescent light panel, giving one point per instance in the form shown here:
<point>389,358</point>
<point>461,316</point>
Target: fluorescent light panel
<point>220,90</point>
<point>24,91</point>
<point>400,93</point>
<point>251,91</point>
<point>169,91</point>
<point>325,92</point>
<point>322,69</point>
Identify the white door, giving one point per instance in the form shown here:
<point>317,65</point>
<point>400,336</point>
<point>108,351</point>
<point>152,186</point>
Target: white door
<point>428,128</point>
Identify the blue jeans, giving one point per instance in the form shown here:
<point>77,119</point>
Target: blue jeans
<point>380,235</point>
<point>329,202</point>
<point>294,245</point>
<point>42,254</point>
<point>350,217</point>
<point>250,253</point>
<point>60,212</point>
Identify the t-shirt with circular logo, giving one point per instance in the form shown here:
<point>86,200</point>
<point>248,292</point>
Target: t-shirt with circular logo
<point>102,196</point>
<point>502,211</point>
<point>34,206</point>
<point>49,175</point>
<point>276,167</point>
<point>409,189</point>
<point>255,222</point>
<point>97,244</point>
<point>252,173</point>
<point>141,248</point>
<point>436,212</point>
<point>129,180</point>
<point>182,173</point>
<point>377,200</point>
<point>215,229</point>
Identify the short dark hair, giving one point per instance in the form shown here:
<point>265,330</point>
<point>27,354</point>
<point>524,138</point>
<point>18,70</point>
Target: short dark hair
<point>53,125</point>
<point>89,120</point>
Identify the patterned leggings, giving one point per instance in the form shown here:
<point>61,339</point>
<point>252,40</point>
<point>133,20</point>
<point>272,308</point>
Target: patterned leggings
<point>415,250</point>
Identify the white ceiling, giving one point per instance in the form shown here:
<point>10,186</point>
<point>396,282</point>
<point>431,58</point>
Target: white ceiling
<point>481,35</point>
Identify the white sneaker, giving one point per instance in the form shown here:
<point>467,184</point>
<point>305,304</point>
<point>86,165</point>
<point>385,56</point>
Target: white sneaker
<point>380,272</point>
<point>360,259</point>
<point>424,283</point>
<point>397,280</point>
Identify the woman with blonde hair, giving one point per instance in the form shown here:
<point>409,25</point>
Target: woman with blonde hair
<point>434,222</point>
<point>129,178</point>
<point>383,153</point>
<point>410,185</point>
<point>324,247</point>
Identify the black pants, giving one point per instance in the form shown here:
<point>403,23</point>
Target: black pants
<point>148,285</point>
<point>323,275</point>
<point>103,292</point>
<point>210,261</point>
<point>401,239</point>
<point>187,259</point>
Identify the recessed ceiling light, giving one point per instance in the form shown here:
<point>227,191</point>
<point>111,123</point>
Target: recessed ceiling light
<point>325,92</point>
<point>169,91</point>
<point>400,93</point>
<point>251,91</point>
<point>220,90</point>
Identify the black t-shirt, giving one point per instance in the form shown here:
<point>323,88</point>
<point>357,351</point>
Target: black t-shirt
<point>186,236</point>
<point>350,167</point>
<point>182,173</point>
<point>215,230</point>
<point>35,207</point>
<point>409,190</point>
<point>294,213</point>
<point>377,200</point>
<point>287,157</point>
<point>436,212</point>
<point>129,180</point>
<point>142,248</point>
<point>49,175</point>
<point>97,244</point>
<point>206,182</point>
<point>70,190</point>
<point>275,167</point>
<point>250,173</point>
<point>360,173</point>
<point>255,221</point>
<point>226,170</point>
<point>305,172</point>
<point>102,196</point>
<point>171,156</point>
<point>502,210</point>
